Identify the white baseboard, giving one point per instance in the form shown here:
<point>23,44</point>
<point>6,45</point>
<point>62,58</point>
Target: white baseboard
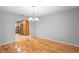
<point>7,43</point>
<point>57,41</point>
<point>44,38</point>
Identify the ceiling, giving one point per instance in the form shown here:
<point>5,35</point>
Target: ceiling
<point>39,10</point>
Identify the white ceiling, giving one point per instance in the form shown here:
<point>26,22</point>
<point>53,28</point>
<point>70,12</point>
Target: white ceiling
<point>41,10</point>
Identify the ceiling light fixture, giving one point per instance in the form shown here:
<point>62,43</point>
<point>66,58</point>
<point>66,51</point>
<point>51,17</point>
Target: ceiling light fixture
<point>34,18</point>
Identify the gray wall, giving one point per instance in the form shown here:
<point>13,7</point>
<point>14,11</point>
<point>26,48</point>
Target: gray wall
<point>32,28</point>
<point>62,26</point>
<point>7,27</point>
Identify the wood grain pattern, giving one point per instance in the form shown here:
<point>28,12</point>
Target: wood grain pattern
<point>37,45</point>
<point>17,30</point>
<point>25,27</point>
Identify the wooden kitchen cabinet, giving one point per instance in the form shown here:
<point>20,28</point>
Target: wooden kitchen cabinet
<point>25,26</point>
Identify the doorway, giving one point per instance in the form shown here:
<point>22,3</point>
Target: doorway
<point>22,27</point>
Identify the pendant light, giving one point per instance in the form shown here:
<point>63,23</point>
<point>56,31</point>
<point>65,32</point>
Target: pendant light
<point>33,18</point>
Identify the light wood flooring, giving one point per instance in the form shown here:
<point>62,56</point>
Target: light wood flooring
<point>35,44</point>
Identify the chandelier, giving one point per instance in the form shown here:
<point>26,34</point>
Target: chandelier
<point>33,18</point>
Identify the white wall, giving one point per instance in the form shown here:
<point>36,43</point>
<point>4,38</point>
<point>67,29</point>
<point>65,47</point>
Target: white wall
<point>7,27</point>
<point>62,26</point>
<point>32,28</point>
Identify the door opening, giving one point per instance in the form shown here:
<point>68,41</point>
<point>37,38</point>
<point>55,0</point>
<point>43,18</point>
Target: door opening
<point>22,27</point>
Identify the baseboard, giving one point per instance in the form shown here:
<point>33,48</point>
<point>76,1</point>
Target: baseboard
<point>7,43</point>
<point>57,41</point>
<point>44,38</point>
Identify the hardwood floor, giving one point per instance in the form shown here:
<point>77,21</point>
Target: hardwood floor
<point>25,44</point>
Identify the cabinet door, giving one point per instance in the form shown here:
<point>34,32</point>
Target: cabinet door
<point>25,27</point>
<point>17,30</point>
<point>21,29</point>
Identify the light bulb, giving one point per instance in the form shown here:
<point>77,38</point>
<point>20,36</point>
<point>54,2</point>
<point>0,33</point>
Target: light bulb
<point>36,19</point>
<point>33,20</point>
<point>30,18</point>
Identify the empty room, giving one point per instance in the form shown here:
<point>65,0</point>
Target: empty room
<point>39,29</point>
